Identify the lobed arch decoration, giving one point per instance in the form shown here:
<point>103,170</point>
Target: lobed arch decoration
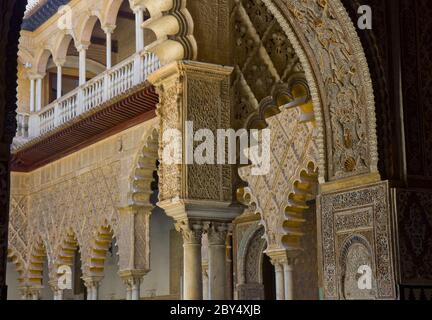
<point>102,240</point>
<point>281,195</point>
<point>20,264</point>
<point>36,259</point>
<point>141,179</point>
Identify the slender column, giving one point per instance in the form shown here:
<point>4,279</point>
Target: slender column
<point>39,93</point>
<point>59,80</point>
<point>217,234</point>
<point>205,281</point>
<point>32,95</point>
<point>280,291</point>
<point>82,49</point>
<point>139,31</point>
<point>128,293</point>
<point>108,32</point>
<point>192,237</point>
<point>288,277</point>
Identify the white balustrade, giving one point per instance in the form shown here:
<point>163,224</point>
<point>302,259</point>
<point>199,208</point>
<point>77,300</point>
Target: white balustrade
<point>92,94</point>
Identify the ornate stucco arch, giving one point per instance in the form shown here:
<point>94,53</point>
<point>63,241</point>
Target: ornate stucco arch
<point>331,54</point>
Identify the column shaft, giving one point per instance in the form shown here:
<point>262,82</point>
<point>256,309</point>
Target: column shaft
<point>217,271</point>
<point>136,290</point>
<point>82,66</point>
<point>192,272</point>
<point>205,284</point>
<point>280,290</point>
<point>108,50</point>
<point>59,81</point>
<point>32,95</point>
<point>139,32</point>
<point>288,277</point>
<point>38,94</point>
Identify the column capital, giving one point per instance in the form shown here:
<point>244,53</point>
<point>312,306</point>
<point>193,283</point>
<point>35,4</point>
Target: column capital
<point>37,76</point>
<point>109,28</point>
<point>92,281</point>
<point>281,257</point>
<point>82,46</point>
<point>217,233</point>
<point>59,62</point>
<point>131,275</point>
<point>191,231</point>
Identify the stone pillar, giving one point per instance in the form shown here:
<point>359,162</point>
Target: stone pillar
<point>205,281</point>
<point>59,78</point>
<point>217,234</point>
<point>288,279</point>
<point>192,276</point>
<point>39,93</point>
<point>280,290</point>
<point>108,32</point>
<point>283,261</point>
<point>139,31</point>
<point>191,193</point>
<point>32,95</point>
<point>82,49</point>
<point>132,280</point>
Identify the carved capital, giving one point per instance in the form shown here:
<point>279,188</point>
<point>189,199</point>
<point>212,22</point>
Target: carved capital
<point>132,278</point>
<point>191,231</point>
<point>217,233</point>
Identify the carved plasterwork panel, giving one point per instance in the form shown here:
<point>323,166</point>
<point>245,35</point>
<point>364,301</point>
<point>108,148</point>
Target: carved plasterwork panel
<point>362,213</point>
<point>293,148</point>
<point>197,93</point>
<point>75,203</point>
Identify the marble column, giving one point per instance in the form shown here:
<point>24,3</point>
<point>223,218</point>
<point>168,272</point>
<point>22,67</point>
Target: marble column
<point>205,281</point>
<point>192,276</point>
<point>59,79</point>
<point>39,93</point>
<point>32,95</point>
<point>139,31</point>
<point>108,32</point>
<point>82,49</point>
<point>280,284</point>
<point>217,234</point>
<point>288,280</point>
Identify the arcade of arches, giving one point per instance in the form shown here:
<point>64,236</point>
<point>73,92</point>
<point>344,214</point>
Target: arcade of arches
<point>99,85</point>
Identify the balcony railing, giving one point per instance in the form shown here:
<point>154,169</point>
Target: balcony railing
<point>102,88</point>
